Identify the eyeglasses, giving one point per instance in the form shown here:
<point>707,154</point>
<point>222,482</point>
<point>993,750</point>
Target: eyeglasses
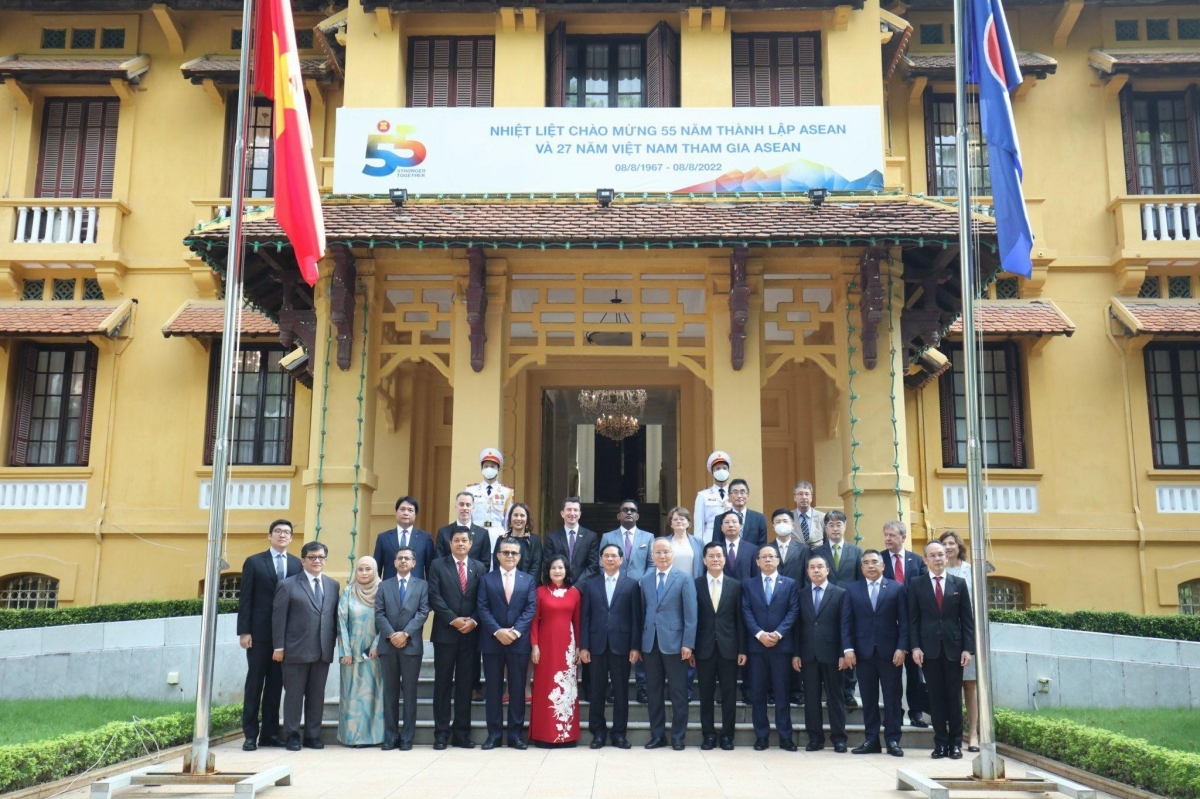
<point>405,559</point>
<point>629,510</point>
<point>316,557</point>
<point>508,553</point>
<point>281,531</point>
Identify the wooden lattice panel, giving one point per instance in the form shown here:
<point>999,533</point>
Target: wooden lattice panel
<point>798,321</point>
<point>417,322</point>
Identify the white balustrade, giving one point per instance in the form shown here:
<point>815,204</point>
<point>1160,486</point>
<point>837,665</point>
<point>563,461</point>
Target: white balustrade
<point>1169,221</point>
<point>49,224</point>
<point>996,498</point>
<point>43,494</point>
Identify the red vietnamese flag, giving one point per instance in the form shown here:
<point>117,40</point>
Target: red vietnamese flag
<point>277,76</point>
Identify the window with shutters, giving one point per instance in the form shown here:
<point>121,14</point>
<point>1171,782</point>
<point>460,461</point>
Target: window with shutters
<point>263,402</point>
<point>1003,415</point>
<point>1164,143</point>
<point>940,137</point>
<point>260,147</point>
<point>1173,389</point>
<point>56,387</point>
<point>776,69</point>
<point>78,147</point>
<point>624,71</point>
<point>451,71</point>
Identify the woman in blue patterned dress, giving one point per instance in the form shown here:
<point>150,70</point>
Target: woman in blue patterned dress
<point>360,722</point>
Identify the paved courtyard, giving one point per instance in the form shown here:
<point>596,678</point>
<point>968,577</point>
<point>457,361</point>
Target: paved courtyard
<point>373,774</point>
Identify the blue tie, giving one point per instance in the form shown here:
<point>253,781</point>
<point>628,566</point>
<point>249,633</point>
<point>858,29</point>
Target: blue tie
<point>817,592</point>
<point>770,589</point>
<point>280,566</point>
<point>319,593</point>
<point>662,578</point>
<point>402,582</point>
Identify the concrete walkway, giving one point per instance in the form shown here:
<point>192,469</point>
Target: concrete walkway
<point>337,772</point>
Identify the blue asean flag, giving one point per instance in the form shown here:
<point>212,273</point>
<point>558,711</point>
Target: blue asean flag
<point>994,68</point>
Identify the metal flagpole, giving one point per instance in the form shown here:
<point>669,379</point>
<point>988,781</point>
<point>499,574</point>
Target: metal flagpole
<point>200,761</point>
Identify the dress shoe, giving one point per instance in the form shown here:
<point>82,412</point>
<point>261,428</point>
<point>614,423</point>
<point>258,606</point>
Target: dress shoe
<point>840,748</point>
<point>656,743</point>
<point>313,743</point>
<point>798,700</point>
<point>813,746</point>
<point>388,746</point>
<point>867,749</point>
<point>490,744</point>
<point>477,696</point>
<point>709,743</point>
<point>405,746</point>
<point>678,746</point>
<point>894,750</point>
<point>642,697</point>
<point>293,743</point>
<point>270,740</point>
<point>462,743</point>
<point>249,746</point>
<point>760,745</point>
<point>972,748</point>
<point>597,742</point>
<point>439,745</point>
<point>788,745</point>
<point>851,703</point>
<point>518,744</point>
<point>727,744</point>
<point>938,752</point>
<point>955,753</point>
<point>917,720</point>
<point>620,743</point>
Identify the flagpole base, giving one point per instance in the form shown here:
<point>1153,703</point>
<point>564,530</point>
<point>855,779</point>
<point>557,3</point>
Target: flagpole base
<point>1033,782</point>
<point>245,784</point>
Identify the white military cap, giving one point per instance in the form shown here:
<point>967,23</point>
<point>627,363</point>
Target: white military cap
<point>718,456</point>
<point>491,454</point>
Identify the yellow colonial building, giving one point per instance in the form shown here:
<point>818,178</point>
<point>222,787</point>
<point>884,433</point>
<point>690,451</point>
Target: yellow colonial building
<point>810,340</point>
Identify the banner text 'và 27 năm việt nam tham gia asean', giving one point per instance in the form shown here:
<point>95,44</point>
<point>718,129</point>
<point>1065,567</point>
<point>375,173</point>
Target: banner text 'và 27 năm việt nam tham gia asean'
<point>545,150</point>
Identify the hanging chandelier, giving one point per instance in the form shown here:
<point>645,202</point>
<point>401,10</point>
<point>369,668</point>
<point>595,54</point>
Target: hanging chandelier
<point>616,332</point>
<point>616,411</point>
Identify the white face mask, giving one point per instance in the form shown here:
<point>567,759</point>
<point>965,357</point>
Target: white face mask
<point>721,474</point>
<point>783,528</point>
<point>490,472</point>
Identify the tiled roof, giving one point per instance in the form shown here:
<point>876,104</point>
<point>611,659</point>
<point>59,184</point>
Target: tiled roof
<point>61,319</point>
<point>1180,317</point>
<point>940,66</point>
<point>634,223</point>
<point>207,318</point>
<point>34,69</point>
<point>1147,62</point>
<point>1019,318</point>
<point>224,68</point>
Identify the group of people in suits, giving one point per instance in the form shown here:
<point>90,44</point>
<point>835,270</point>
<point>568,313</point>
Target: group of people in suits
<point>793,618</point>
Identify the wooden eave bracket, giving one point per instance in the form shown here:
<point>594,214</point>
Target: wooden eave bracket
<point>341,301</point>
<point>739,308</point>
<point>477,302</point>
<point>111,277</point>
<point>171,27</point>
<point>1064,23</point>
<point>123,90</point>
<point>916,92</point>
<point>508,19</point>
<point>22,95</point>
<point>384,18</point>
<point>214,94</point>
<point>1113,86</point>
<point>716,18</point>
<point>1026,86</point>
<point>841,17</point>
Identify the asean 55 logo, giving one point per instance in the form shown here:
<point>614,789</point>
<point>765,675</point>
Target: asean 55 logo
<point>393,149</point>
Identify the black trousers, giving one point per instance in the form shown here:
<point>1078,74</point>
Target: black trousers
<point>304,690</point>
<point>453,675</point>
<point>943,677</point>
<point>666,675</point>
<point>708,672</point>
<point>849,680</point>
<point>818,677</point>
<point>496,667</point>
<point>400,676</point>
<point>771,669</point>
<point>264,689</point>
<point>611,667</point>
<point>874,673</point>
<point>914,690</point>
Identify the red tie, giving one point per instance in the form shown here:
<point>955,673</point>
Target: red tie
<point>462,576</point>
<point>899,569</point>
<point>937,592</point>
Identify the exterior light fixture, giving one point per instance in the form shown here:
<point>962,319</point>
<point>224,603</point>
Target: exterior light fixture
<point>399,197</point>
<point>817,195</point>
<point>605,197</point>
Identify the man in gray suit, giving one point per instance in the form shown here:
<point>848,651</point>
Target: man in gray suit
<point>810,522</point>
<point>304,627</point>
<point>668,637</point>
<point>635,551</point>
<point>401,607</point>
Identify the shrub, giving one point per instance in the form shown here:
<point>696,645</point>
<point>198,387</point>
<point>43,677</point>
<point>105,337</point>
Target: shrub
<point>1177,627</point>
<point>23,765</point>
<point>92,614</point>
<point>1131,761</point>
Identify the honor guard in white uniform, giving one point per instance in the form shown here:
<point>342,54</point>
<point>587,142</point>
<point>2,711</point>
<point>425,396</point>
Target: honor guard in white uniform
<point>492,498</point>
<point>711,502</point>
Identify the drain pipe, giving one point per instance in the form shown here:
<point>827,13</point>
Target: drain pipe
<point>118,348</point>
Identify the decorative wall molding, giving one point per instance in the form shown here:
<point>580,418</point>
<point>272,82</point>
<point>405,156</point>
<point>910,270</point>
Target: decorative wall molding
<point>1177,498</point>
<point>997,498</point>
<point>250,494</point>
<point>43,494</point>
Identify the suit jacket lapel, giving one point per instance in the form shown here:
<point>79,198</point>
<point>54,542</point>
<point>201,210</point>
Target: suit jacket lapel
<point>309,592</point>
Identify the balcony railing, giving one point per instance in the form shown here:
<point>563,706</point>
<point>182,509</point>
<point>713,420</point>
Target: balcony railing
<point>1169,221</point>
<point>61,230</point>
<point>47,224</point>
<point>1163,228</point>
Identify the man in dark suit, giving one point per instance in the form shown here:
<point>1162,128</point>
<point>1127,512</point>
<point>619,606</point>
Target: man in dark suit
<point>580,545</point>
<point>264,677</point>
<point>794,555</point>
<point>820,656</point>
<point>740,554</point>
<point>901,566</point>
<point>303,629</point>
<point>401,607</point>
<point>404,534</point>
<point>453,598</point>
<point>875,632</point>
<point>609,636</point>
<point>941,629</point>
<point>668,638</point>
<point>754,524</point>
<point>507,603</point>
<point>720,645</point>
<point>845,567</point>
<point>770,607</point>
<point>479,547</point>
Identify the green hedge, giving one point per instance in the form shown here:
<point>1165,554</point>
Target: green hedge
<point>1131,761</point>
<point>124,611</point>
<point>1178,627</point>
<point>23,765</point>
